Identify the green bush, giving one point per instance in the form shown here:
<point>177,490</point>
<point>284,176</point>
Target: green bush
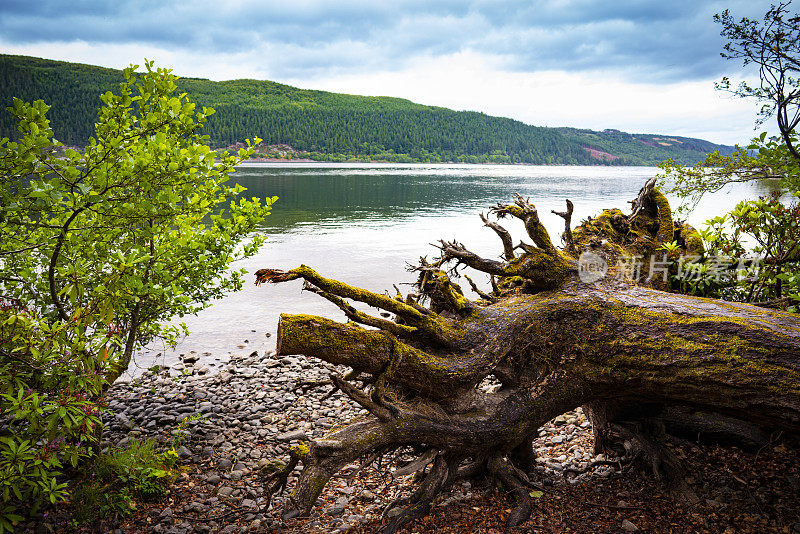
<point>48,401</point>
<point>138,466</point>
<point>98,251</point>
<point>118,477</point>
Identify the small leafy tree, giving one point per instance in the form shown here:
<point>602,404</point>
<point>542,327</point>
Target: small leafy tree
<point>772,45</point>
<point>767,224</point>
<point>97,251</point>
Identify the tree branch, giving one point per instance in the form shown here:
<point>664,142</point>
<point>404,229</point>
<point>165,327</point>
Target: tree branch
<point>505,237</point>
<point>569,243</point>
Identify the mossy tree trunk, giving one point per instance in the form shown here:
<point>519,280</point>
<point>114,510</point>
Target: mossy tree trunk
<point>622,348</point>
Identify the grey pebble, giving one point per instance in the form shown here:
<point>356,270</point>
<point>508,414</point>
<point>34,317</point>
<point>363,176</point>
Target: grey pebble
<point>627,526</point>
<point>293,435</point>
<point>338,507</point>
<point>224,464</point>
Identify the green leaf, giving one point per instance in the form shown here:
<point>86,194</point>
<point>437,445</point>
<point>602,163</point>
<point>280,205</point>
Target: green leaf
<point>536,494</point>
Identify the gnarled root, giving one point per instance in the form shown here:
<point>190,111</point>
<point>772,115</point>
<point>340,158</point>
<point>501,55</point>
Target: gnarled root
<point>552,341</point>
<point>637,434</point>
<point>440,477</point>
<point>457,443</point>
<point>509,478</point>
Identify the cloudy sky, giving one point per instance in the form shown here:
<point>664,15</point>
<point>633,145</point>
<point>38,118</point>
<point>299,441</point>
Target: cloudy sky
<point>638,66</point>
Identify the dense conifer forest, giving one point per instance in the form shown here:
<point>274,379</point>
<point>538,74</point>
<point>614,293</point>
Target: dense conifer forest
<point>335,127</point>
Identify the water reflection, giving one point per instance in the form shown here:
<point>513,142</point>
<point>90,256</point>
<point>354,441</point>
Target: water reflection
<point>333,192</point>
<point>362,223</point>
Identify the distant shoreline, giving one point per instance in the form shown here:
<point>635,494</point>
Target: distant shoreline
<point>277,161</point>
<point>282,160</point>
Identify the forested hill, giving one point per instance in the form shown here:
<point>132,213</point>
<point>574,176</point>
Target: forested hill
<point>333,126</point>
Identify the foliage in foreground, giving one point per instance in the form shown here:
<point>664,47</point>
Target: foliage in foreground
<point>49,414</point>
<point>139,470</point>
<point>142,469</point>
<point>766,229</point>
<point>97,252</point>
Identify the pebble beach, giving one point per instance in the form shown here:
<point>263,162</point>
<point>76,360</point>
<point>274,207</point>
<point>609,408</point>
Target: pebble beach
<point>255,407</point>
<point>251,411</point>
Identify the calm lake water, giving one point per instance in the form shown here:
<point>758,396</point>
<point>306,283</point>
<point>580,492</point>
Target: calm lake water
<point>362,223</point>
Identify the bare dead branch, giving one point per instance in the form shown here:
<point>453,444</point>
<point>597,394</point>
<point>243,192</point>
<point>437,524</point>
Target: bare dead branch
<point>502,233</point>
<point>273,276</point>
<point>480,293</point>
<point>567,216</point>
<point>361,398</point>
<point>359,316</point>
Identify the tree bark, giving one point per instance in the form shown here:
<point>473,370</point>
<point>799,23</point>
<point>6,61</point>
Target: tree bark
<point>556,336</point>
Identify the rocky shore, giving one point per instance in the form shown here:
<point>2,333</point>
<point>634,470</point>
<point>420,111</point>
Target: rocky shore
<point>252,411</point>
<point>257,406</point>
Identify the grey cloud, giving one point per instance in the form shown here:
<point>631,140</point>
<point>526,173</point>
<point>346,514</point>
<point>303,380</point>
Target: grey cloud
<point>654,40</point>
<point>642,39</point>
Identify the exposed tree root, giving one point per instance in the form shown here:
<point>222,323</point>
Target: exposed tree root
<point>628,353</point>
<point>523,506</point>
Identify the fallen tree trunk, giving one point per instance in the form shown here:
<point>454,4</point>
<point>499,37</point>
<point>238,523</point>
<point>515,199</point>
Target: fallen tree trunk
<point>558,331</point>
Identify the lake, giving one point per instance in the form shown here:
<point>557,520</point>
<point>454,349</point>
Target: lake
<point>362,223</point>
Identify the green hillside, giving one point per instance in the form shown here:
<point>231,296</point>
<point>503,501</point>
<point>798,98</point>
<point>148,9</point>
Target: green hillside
<point>334,126</point>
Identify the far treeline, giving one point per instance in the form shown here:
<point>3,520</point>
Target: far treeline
<point>336,127</point>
